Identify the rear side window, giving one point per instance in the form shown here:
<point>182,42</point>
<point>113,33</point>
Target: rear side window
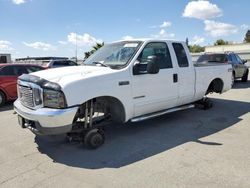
<point>13,71</point>
<point>8,71</point>
<point>61,63</point>
<point>71,63</point>
<point>207,58</point>
<point>180,55</point>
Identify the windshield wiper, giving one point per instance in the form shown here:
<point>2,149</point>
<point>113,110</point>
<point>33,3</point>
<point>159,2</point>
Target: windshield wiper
<point>99,63</point>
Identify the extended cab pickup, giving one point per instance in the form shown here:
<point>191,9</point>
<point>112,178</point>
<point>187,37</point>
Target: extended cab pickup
<point>123,81</point>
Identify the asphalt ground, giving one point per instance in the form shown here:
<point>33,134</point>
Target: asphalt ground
<point>190,148</point>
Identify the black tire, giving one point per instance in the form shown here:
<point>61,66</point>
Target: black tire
<point>208,104</point>
<point>2,98</point>
<point>245,77</point>
<point>233,79</point>
<point>94,138</point>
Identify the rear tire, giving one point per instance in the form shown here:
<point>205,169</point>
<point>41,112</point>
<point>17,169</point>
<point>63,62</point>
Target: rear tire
<point>208,104</point>
<point>245,77</point>
<point>2,98</point>
<point>233,79</point>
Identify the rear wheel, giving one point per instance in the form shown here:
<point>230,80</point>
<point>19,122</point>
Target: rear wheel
<point>233,79</point>
<point>2,98</point>
<point>245,77</point>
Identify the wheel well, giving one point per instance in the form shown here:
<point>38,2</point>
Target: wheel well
<point>113,105</point>
<point>1,91</point>
<point>215,86</point>
<point>116,108</point>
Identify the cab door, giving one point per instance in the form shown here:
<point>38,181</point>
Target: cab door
<point>240,65</point>
<point>186,74</point>
<point>154,92</point>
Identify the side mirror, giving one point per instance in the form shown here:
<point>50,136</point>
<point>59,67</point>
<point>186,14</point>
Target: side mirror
<point>136,68</point>
<point>152,66</point>
<point>149,67</point>
<point>244,61</point>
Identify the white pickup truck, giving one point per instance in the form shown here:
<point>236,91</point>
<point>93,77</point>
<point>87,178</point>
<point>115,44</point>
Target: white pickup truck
<point>130,80</point>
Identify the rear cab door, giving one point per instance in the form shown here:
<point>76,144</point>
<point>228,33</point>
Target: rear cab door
<point>154,92</point>
<point>185,73</point>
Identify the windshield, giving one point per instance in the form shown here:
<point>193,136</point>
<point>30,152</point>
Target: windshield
<point>113,55</point>
<point>219,58</point>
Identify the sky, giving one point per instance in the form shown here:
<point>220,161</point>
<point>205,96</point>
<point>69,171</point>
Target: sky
<point>52,27</point>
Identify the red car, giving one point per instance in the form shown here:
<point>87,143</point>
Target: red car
<point>8,79</point>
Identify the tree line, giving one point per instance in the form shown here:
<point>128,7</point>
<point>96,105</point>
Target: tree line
<point>197,48</point>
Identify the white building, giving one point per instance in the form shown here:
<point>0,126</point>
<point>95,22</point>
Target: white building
<point>237,48</point>
<point>5,58</point>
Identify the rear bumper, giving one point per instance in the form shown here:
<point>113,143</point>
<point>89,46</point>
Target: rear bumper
<point>46,121</point>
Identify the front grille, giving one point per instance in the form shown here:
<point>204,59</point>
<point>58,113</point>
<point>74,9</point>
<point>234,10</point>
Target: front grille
<point>26,96</point>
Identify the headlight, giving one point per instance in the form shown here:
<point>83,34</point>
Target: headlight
<point>53,99</point>
<point>37,96</point>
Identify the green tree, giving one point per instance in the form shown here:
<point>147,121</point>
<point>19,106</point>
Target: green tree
<point>221,42</point>
<point>247,36</point>
<point>196,48</point>
<point>93,50</point>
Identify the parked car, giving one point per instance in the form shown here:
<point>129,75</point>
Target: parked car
<point>8,79</point>
<point>240,70</point>
<point>58,63</point>
<point>123,81</point>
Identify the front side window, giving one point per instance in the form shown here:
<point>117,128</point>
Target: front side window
<point>180,55</point>
<point>238,59</point>
<point>160,51</point>
<point>31,69</point>
<point>113,55</point>
<point>234,59</point>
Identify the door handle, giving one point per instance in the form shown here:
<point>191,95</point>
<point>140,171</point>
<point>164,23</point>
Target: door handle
<point>175,78</point>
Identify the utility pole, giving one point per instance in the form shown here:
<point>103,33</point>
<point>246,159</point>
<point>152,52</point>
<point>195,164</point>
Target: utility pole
<point>76,47</point>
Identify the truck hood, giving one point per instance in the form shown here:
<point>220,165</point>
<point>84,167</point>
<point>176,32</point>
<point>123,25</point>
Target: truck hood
<point>56,74</point>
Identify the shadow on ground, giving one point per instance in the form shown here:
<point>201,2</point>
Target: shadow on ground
<point>128,144</point>
<point>6,107</point>
<point>241,85</point>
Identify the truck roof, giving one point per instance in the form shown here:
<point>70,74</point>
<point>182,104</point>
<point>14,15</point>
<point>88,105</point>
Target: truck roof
<point>147,40</point>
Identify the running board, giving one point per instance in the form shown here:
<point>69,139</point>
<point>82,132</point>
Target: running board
<point>156,114</point>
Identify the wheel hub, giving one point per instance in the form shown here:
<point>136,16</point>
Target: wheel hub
<point>96,140</point>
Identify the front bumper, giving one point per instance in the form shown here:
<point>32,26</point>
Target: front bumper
<point>46,121</point>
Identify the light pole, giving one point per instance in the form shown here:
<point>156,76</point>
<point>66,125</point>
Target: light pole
<point>76,47</point>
